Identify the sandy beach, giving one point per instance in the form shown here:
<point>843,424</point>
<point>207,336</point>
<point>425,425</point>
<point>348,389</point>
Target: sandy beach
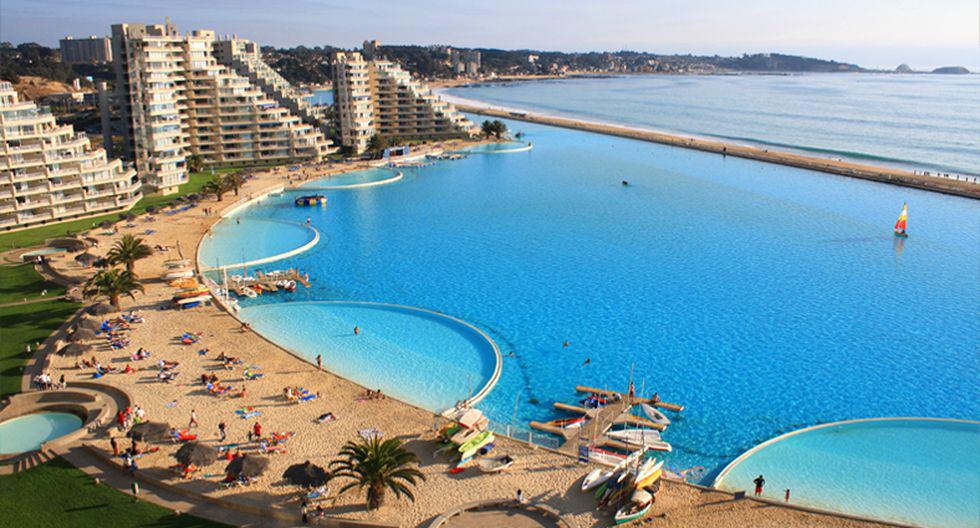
<point>544,476</point>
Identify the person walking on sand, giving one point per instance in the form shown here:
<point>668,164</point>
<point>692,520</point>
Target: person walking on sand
<point>221,432</point>
<point>115,446</point>
<point>759,484</point>
<point>257,430</point>
<point>319,361</point>
<point>520,496</point>
<point>192,423</point>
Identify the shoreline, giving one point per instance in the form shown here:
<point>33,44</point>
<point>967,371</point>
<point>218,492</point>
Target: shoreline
<point>893,176</point>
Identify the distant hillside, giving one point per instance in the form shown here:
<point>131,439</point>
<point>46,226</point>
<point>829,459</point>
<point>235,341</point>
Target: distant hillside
<point>958,70</point>
<point>775,62</point>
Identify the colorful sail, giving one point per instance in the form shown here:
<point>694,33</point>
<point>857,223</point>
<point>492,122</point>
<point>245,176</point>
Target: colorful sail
<point>902,219</point>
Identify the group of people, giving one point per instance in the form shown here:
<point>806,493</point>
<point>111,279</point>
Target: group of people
<point>43,382</point>
<point>131,415</point>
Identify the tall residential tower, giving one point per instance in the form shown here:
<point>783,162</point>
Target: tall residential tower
<point>178,100</point>
<point>49,173</point>
<point>378,97</point>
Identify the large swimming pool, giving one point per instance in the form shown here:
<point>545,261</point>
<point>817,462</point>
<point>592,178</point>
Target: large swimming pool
<point>762,297</point>
<point>922,472</point>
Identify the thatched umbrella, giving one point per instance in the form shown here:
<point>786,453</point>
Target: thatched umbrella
<point>89,323</point>
<point>83,334</point>
<point>75,349</point>
<point>70,244</point>
<point>106,224</point>
<point>247,466</point>
<point>149,431</point>
<point>101,308</point>
<point>306,474</point>
<point>86,259</point>
<point>196,454</point>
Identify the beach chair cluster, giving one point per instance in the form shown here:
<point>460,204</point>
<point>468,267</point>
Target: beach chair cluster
<point>247,412</point>
<point>275,443</point>
<point>180,209</point>
<point>182,435</point>
<point>217,389</point>
<point>252,373</point>
<point>298,395</point>
<point>190,338</point>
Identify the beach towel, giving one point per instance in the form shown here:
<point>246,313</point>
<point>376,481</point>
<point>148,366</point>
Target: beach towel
<point>170,404</point>
<point>369,433</point>
<point>251,414</point>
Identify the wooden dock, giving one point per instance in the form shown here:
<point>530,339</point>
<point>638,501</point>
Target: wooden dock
<point>600,420</point>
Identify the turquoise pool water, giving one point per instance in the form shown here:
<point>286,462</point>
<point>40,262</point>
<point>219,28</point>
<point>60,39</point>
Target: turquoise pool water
<point>399,342</point>
<point>762,297</point>
<point>28,432</point>
<point>232,239</point>
<point>362,177</point>
<point>920,472</point>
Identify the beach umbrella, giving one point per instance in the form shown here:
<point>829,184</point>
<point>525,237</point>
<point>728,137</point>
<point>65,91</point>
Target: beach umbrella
<point>247,466</point>
<point>83,334</point>
<point>101,309</point>
<point>89,323</point>
<point>75,349</point>
<point>306,474</point>
<point>197,454</point>
<point>149,431</point>
<point>70,244</point>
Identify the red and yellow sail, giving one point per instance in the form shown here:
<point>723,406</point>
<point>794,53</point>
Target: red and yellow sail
<point>902,219</point>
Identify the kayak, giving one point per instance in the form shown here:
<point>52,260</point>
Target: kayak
<point>654,414</point>
<point>596,477</point>
<point>568,423</point>
<point>475,443</point>
<point>638,507</point>
<point>495,465</point>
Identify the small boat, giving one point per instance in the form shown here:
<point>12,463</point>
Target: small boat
<point>568,423</point>
<point>179,274</point>
<point>647,470</point>
<point>595,478</point>
<point>495,465</point>
<point>650,479</point>
<point>639,505</point>
<point>473,445</point>
<point>641,437</point>
<point>249,292</point>
<point>311,199</point>
<point>903,218</point>
<point>654,414</point>
<point>191,292</point>
<point>192,300</point>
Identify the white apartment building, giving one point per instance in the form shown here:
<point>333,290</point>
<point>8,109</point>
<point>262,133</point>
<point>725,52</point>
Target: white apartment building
<point>50,173</point>
<point>178,100</point>
<point>379,97</point>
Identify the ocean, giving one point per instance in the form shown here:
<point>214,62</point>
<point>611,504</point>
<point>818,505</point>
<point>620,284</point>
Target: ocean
<point>923,122</point>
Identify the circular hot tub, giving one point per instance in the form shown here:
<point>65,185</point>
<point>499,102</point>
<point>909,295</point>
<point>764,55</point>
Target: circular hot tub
<point>28,432</point>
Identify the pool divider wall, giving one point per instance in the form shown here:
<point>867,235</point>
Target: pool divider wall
<point>310,187</point>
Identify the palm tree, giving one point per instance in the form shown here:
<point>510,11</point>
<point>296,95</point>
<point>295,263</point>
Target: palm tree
<point>217,186</point>
<point>378,466</point>
<point>127,251</point>
<point>113,283</point>
<point>234,181</point>
<point>195,163</point>
<point>486,129</point>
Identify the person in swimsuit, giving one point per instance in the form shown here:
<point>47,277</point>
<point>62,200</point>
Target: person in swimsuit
<point>759,484</point>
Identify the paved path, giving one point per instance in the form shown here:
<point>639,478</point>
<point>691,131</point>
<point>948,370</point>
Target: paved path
<point>33,301</point>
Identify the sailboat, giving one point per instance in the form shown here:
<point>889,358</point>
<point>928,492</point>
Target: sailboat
<point>902,219</point>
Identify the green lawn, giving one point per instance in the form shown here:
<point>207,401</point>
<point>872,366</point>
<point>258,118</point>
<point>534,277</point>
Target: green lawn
<point>20,281</point>
<point>58,494</point>
<point>37,235</point>
<point>23,325</point>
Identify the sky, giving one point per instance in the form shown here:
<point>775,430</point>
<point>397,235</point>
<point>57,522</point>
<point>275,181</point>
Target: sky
<point>871,33</point>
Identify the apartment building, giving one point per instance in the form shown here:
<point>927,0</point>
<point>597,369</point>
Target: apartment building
<point>49,173</point>
<point>91,50</point>
<point>178,100</point>
<point>379,97</point>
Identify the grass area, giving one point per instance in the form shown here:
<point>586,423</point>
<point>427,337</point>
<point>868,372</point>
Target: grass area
<point>20,281</point>
<point>23,325</point>
<point>37,235</point>
<point>58,494</point>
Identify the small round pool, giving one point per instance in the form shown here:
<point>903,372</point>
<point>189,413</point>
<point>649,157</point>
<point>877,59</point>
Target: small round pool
<point>497,148</point>
<point>912,470</point>
<point>28,432</point>
<point>348,180</point>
